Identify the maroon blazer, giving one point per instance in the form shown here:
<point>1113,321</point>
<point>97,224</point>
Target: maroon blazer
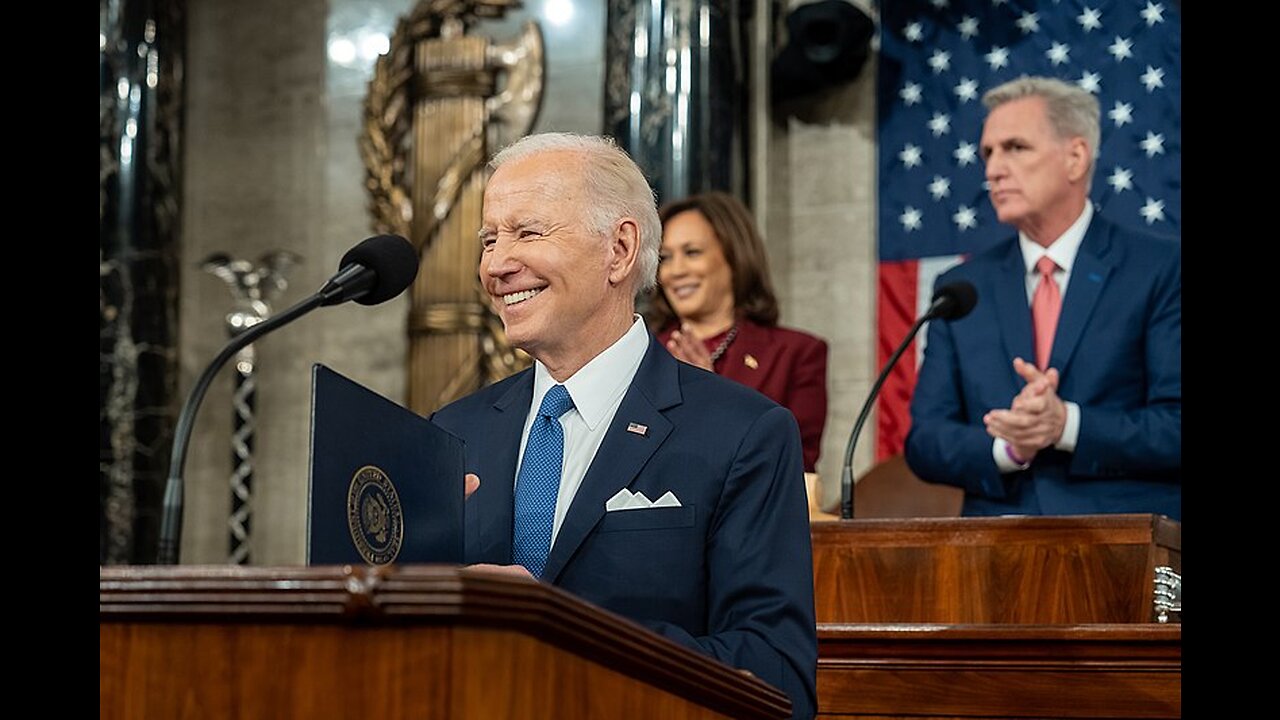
<point>788,366</point>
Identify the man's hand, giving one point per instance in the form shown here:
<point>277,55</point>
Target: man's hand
<point>471,483</point>
<point>1037,416</point>
<point>1038,383</point>
<point>510,570</point>
<point>684,346</point>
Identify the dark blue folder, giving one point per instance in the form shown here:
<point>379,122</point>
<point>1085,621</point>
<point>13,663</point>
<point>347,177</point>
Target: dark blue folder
<point>386,484</point>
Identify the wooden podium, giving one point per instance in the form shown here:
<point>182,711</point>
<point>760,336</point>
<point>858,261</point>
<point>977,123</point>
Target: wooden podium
<point>388,643</point>
<point>1010,617</point>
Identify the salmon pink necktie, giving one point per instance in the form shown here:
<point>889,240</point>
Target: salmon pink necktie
<point>1046,304</point>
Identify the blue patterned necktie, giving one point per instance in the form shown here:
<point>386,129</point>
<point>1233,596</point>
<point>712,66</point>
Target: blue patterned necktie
<point>539,483</point>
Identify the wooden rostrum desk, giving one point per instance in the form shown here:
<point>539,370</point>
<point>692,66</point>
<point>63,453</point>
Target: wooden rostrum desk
<point>1009,617</point>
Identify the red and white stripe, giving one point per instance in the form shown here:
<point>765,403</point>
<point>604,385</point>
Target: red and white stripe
<point>904,293</point>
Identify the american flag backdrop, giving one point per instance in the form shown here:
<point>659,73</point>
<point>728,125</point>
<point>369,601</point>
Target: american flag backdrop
<point>937,58</point>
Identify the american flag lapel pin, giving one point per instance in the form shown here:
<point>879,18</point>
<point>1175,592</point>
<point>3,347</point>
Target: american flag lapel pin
<point>637,428</point>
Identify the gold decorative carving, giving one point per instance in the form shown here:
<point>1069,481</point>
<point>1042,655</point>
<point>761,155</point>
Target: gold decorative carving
<point>439,103</point>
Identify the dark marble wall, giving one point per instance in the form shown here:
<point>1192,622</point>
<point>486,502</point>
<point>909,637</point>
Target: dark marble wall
<point>677,85</point>
<point>141,51</point>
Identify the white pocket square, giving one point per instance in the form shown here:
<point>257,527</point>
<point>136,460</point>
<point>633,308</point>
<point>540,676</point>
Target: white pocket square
<point>627,500</point>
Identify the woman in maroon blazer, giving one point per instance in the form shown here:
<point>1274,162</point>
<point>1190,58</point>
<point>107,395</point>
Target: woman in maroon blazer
<point>715,308</point>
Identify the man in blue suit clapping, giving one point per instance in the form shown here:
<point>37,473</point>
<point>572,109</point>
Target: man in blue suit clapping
<point>648,486</point>
<point>1061,393</point>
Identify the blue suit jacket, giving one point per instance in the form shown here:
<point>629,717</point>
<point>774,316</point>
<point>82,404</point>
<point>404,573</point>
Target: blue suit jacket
<point>1118,348</point>
<point>728,573</point>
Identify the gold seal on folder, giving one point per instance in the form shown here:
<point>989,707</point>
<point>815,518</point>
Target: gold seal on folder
<point>374,516</point>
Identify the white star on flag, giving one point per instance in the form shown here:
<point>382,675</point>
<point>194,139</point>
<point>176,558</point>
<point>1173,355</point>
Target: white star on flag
<point>939,3</point>
<point>914,32</point>
<point>1152,13</point>
<point>910,218</point>
<point>910,93</point>
<point>940,187</point>
<point>1153,144</point>
<point>939,61</point>
<point>968,27</point>
<point>1121,179</point>
<point>1057,53</point>
<point>966,153</point>
<point>1122,113</point>
<point>1091,81</point>
<point>940,124</point>
<point>965,218</point>
<point>910,155</point>
<point>1090,19</point>
<point>1153,78</point>
<point>1122,48</point>
<point>967,89</point>
<point>997,58</point>
<point>1153,210</point>
<point>1029,22</point>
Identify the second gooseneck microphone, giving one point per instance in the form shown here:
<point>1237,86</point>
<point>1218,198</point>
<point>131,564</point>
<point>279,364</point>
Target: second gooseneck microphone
<point>950,302</point>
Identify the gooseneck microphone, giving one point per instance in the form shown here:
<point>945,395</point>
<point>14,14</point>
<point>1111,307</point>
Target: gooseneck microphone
<point>950,302</point>
<point>374,271</point>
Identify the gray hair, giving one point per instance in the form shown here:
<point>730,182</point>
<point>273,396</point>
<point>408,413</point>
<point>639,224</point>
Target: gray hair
<point>1072,110</point>
<point>615,184</point>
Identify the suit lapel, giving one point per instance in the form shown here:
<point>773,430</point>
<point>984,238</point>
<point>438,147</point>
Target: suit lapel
<point>622,454</point>
<point>1089,276</point>
<point>1013,310</point>
<point>491,517</point>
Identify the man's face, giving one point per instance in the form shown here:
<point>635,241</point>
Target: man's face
<point>547,272</point>
<point>1033,175</point>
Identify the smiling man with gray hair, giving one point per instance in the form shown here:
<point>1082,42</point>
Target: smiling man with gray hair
<point>645,485</point>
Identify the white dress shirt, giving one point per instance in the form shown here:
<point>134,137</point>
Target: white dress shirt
<point>597,390</point>
<point>1063,252</point>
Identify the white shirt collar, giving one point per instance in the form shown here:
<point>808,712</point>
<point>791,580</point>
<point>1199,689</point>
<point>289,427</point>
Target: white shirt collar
<point>598,385</point>
<point>1063,250</point>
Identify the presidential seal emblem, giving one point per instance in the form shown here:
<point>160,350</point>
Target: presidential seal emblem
<point>374,516</point>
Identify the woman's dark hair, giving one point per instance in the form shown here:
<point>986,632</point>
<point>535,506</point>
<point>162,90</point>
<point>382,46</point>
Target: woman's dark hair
<point>743,249</point>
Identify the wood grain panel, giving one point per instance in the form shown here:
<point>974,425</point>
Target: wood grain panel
<point>1086,671</point>
<point>252,671</point>
<point>1044,570</point>
<point>398,642</point>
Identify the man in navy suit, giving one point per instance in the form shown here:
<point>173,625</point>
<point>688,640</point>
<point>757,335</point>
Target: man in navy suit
<point>1061,393</point>
<point>680,500</point>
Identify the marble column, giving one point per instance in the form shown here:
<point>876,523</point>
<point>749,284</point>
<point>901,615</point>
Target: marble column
<point>677,78</point>
<point>141,46</point>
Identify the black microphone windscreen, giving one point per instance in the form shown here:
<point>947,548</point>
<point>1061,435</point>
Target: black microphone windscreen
<point>954,300</point>
<point>391,258</point>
